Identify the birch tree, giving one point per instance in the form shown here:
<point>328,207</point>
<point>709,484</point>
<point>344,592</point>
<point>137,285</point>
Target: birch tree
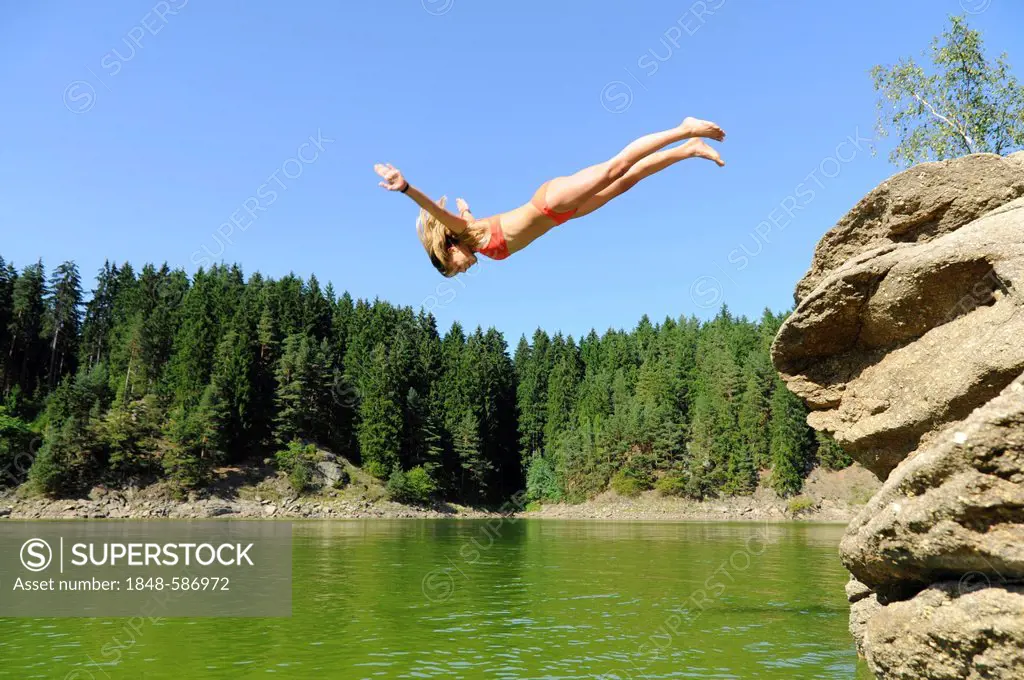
<point>963,103</point>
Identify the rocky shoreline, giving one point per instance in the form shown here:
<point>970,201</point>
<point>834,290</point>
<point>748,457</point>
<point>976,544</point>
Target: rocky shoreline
<point>828,499</point>
<point>623,509</point>
<point>116,506</point>
<point>655,510</point>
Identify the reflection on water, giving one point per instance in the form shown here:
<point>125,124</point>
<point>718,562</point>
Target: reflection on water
<point>498,599</point>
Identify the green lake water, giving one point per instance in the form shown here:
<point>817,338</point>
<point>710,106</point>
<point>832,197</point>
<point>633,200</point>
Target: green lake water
<point>505,600</point>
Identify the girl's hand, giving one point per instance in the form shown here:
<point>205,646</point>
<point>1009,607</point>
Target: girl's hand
<point>462,206</point>
<point>393,180</point>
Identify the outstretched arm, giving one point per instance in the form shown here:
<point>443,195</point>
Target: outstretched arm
<point>394,181</point>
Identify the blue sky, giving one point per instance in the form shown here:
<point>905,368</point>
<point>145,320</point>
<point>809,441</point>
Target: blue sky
<point>140,130</point>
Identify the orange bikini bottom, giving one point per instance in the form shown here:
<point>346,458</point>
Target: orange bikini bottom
<point>539,201</point>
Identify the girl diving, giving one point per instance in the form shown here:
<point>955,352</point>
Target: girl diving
<point>452,241</point>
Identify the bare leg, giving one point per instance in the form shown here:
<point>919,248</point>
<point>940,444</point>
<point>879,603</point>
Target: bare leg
<point>656,162</point>
<point>568,193</point>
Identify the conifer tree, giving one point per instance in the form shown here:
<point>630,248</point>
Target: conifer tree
<point>429,397</point>
<point>304,396</point>
<point>714,429</point>
<point>231,391</point>
<point>380,416</point>
<point>316,310</point>
<point>196,443</point>
<point>161,294</point>
<point>262,376</point>
<point>532,370</point>
<point>473,468</point>
<point>562,386</point>
<point>62,321</point>
<point>8,276</point>
<point>69,459</point>
<point>753,412</point>
<point>790,441</point>
<point>830,453</point>
<point>498,395</point>
<point>27,352</point>
<point>195,341</point>
<point>130,434</point>
<point>99,317</point>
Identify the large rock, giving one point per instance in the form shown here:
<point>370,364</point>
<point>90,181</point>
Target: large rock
<point>950,632</point>
<point>864,605</point>
<point>861,348</point>
<point>329,473</point>
<point>917,205</point>
<point>955,507</point>
<point>907,344</point>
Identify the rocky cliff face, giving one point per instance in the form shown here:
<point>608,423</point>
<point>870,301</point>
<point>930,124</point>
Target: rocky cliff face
<point>908,345</point>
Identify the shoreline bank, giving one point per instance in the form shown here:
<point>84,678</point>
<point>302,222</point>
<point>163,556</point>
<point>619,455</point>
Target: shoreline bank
<point>647,508</point>
<point>827,496</point>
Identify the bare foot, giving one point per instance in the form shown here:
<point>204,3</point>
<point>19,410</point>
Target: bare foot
<point>695,127</point>
<point>701,149</point>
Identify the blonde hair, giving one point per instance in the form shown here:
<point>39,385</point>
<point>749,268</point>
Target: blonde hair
<point>437,239</point>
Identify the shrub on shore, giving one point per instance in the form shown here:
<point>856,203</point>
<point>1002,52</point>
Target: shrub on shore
<point>629,485</point>
<point>800,504</point>
<point>413,487</point>
<point>298,460</point>
<point>671,484</point>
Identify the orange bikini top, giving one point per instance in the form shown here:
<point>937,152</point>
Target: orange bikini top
<point>497,247</point>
